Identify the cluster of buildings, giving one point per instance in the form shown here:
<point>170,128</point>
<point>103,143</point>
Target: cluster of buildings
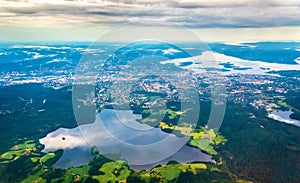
<point>139,85</point>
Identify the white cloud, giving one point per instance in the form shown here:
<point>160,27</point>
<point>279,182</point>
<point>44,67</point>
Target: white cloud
<point>192,13</point>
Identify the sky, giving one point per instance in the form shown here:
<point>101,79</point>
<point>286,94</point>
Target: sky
<point>211,20</point>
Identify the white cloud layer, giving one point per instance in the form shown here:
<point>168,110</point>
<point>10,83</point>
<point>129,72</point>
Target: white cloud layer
<point>191,13</point>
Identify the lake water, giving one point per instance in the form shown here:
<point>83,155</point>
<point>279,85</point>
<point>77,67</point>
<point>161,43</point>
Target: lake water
<point>283,116</point>
<point>118,132</point>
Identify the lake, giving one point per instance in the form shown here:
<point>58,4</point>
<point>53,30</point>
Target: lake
<point>118,132</point>
<point>283,116</point>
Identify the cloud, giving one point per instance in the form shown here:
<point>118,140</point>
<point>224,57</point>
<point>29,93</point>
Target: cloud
<point>190,13</point>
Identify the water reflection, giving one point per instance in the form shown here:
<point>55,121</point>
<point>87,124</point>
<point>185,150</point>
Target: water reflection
<point>283,116</point>
<point>118,132</point>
